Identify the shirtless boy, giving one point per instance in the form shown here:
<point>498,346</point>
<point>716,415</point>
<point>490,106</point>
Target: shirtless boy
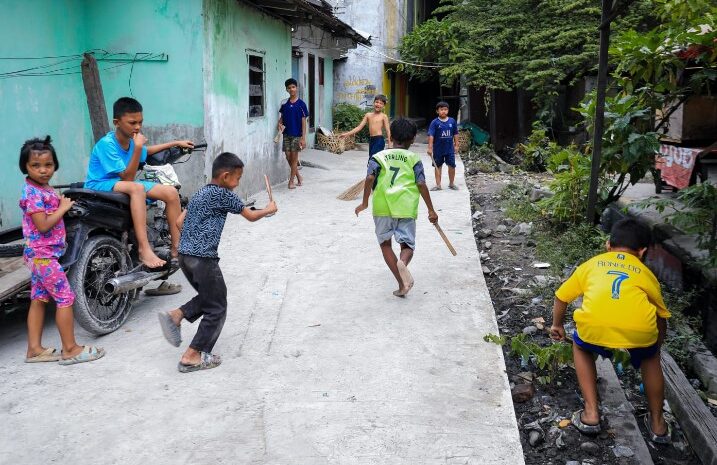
<point>377,121</point>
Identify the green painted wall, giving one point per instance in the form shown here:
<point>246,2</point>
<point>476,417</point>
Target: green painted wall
<point>232,30</point>
<point>38,105</point>
<point>171,92</point>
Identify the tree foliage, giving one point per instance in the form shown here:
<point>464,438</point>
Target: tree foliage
<point>535,45</point>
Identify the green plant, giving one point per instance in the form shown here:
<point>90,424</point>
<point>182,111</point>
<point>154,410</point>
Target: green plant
<point>549,358</point>
<point>694,211</point>
<point>518,207</point>
<point>347,116</point>
<point>565,248</point>
<point>537,149</point>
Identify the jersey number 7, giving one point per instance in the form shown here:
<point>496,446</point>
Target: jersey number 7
<point>395,173</point>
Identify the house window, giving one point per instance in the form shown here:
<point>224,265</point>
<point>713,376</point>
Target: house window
<point>321,71</point>
<point>256,86</point>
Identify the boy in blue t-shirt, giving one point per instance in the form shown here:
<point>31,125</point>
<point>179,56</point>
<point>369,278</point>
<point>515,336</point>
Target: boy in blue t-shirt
<point>202,224</point>
<point>443,145</point>
<point>113,166</point>
<point>292,122</point>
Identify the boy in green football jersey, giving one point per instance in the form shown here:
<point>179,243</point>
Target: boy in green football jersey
<point>397,178</point>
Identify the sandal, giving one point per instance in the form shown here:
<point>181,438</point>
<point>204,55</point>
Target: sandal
<point>584,428</point>
<point>207,361</point>
<point>47,355</point>
<point>657,439</point>
<point>88,354</point>
<point>436,188</point>
<point>166,288</point>
<point>172,332</point>
<point>453,187</point>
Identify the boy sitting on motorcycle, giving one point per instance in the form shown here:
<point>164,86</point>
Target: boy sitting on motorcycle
<point>113,166</point>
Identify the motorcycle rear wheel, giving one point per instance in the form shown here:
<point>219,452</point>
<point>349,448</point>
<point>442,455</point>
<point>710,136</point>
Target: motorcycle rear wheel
<point>97,311</point>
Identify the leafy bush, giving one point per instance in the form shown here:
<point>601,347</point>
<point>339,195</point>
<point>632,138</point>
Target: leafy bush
<point>536,150</point>
<point>347,117</point>
<point>567,248</point>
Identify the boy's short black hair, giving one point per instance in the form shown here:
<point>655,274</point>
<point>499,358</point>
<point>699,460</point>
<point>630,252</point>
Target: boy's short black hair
<point>403,130</point>
<point>226,161</point>
<point>125,105</point>
<point>381,97</point>
<point>442,104</point>
<point>37,145</point>
<point>630,234</point>
<point>290,81</point>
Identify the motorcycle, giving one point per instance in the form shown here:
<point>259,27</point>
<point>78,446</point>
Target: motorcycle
<point>101,258</point>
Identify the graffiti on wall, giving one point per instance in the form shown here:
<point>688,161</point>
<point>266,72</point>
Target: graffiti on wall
<point>358,91</point>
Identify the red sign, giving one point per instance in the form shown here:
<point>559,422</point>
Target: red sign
<point>676,164</point>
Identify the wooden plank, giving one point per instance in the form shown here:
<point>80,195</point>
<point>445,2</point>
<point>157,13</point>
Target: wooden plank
<point>12,283</point>
<point>95,97</point>
<point>619,412</point>
<point>696,420</point>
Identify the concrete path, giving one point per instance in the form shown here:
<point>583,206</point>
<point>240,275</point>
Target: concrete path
<point>322,365</point>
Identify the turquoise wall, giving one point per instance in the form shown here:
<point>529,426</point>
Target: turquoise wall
<point>171,92</point>
<point>233,29</point>
<point>38,105</point>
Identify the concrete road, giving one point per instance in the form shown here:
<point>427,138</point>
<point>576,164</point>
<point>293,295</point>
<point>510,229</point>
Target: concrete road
<point>322,364</point>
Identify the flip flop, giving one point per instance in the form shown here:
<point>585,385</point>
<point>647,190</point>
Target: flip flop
<point>584,427</point>
<point>172,332</point>
<point>453,187</point>
<point>47,355</point>
<point>436,188</point>
<point>166,288</point>
<point>88,354</point>
<point>656,438</point>
<point>207,362</point>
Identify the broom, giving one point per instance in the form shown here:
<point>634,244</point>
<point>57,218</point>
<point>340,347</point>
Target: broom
<point>353,192</point>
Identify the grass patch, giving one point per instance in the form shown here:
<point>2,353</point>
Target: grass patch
<point>518,207</point>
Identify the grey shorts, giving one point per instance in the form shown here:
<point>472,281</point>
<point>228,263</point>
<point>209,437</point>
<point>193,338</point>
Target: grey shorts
<point>403,229</point>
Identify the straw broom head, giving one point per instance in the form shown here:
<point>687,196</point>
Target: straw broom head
<point>353,192</point>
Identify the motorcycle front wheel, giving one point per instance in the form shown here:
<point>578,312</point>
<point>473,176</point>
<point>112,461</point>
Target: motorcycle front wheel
<point>97,311</point>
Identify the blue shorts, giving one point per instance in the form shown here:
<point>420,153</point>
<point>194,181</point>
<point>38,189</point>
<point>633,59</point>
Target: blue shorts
<point>636,355</point>
<point>108,185</point>
<point>447,158</point>
<point>375,145</point>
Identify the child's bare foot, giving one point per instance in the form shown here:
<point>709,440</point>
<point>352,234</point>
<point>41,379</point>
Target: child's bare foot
<point>299,180</point>
<point>291,185</point>
<point>405,277</point>
<point>399,293</point>
<point>150,260</point>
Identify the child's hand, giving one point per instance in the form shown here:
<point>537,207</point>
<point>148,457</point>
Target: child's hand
<point>65,204</point>
<point>343,134</point>
<point>185,144</point>
<point>557,332</point>
<point>139,140</point>
<point>360,208</point>
<point>432,216</point>
<point>271,207</point>
<point>281,128</point>
<point>429,152</point>
<point>302,143</point>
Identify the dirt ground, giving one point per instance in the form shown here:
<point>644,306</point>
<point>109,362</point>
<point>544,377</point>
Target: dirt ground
<point>522,298</point>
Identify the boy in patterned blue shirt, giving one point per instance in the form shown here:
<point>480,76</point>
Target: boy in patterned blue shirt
<point>202,224</point>
<point>443,145</point>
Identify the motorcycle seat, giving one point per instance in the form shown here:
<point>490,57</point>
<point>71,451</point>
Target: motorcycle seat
<point>117,197</point>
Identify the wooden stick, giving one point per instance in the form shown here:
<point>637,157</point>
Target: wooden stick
<point>445,239</point>
<point>268,188</point>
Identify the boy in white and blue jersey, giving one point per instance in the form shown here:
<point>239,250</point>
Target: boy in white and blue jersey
<point>443,145</point>
<point>202,224</point>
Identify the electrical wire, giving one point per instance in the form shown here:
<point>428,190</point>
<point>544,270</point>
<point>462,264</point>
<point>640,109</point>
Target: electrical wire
<point>407,63</point>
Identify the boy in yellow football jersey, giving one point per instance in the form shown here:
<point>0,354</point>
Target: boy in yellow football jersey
<point>622,308</point>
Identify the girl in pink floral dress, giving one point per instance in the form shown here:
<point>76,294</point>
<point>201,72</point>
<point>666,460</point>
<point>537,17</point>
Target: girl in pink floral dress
<point>44,233</point>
